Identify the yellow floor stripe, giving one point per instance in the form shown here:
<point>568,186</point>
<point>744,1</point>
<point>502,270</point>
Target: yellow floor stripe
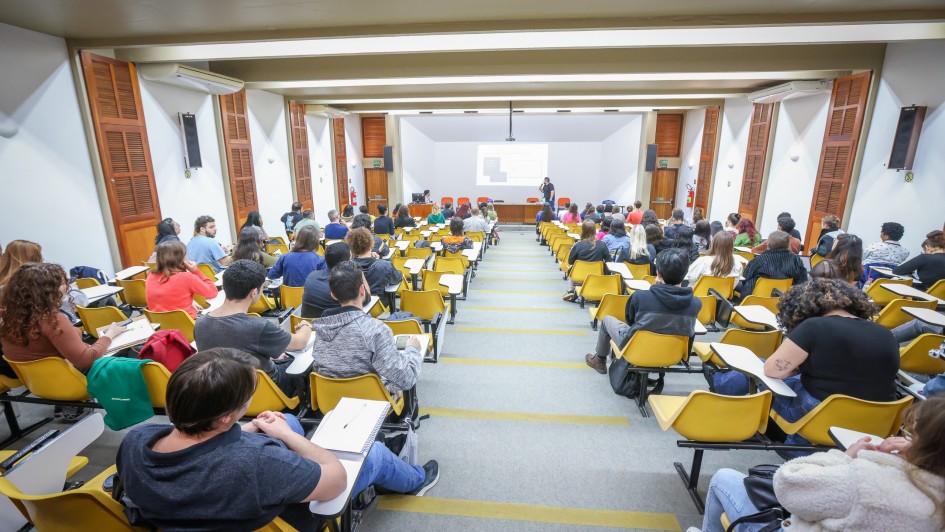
<point>521,331</point>
<point>523,363</point>
<point>530,512</point>
<point>512,280</point>
<point>519,309</point>
<point>496,415</point>
<point>535,292</point>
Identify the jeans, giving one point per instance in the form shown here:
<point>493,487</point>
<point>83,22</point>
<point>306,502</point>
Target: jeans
<point>727,494</point>
<point>935,386</point>
<point>794,408</point>
<point>610,327</point>
<point>911,330</point>
<point>380,467</point>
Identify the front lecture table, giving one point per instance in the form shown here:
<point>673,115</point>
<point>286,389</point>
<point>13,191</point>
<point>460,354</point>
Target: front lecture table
<point>517,212</point>
<point>420,210</point>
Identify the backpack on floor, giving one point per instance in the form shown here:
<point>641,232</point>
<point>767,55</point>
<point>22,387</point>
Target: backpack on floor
<point>622,380</point>
<point>168,347</point>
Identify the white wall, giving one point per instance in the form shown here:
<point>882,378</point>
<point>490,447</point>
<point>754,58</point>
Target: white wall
<point>419,163</point>
<point>800,131</point>
<point>913,73</point>
<point>267,130</point>
<point>354,151</point>
<point>182,198</point>
<point>693,124</point>
<point>618,166</point>
<point>733,143</point>
<point>320,155</point>
<point>49,194</point>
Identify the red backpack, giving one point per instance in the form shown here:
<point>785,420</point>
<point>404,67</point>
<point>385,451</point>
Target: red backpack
<point>169,347</point>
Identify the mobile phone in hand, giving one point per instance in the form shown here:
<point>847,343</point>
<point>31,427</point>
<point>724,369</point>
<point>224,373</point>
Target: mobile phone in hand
<point>123,323</point>
<point>402,341</point>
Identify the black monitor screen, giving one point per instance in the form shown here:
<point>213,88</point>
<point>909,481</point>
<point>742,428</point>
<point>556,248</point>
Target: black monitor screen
<point>418,197</point>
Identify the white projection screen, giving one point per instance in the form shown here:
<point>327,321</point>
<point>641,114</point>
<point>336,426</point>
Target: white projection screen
<point>511,164</point>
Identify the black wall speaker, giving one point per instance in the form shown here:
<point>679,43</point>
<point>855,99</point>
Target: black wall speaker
<point>389,158</point>
<point>651,157</point>
<point>188,127</point>
<point>907,137</point>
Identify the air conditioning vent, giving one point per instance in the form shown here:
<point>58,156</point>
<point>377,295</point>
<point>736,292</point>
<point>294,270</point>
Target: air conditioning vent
<point>190,78</point>
<point>789,90</point>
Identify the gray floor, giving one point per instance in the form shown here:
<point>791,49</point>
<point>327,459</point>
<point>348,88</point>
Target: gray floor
<point>625,468</point>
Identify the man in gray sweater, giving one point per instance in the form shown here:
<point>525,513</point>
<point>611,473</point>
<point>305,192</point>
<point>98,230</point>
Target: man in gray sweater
<point>350,343</point>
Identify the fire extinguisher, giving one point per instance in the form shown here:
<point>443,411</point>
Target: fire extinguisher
<point>690,196</point>
<point>354,197</point>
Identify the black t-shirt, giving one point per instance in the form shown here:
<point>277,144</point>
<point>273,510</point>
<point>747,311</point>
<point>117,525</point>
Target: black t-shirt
<point>383,225</point>
<point>404,221</point>
<point>289,219</point>
<point>930,267</point>
<point>847,356</point>
<point>547,189</point>
<point>316,298</point>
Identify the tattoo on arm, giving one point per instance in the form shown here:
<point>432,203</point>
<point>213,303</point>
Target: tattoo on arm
<point>782,365</point>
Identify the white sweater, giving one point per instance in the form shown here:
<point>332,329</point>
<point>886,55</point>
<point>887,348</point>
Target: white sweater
<point>703,266</point>
<point>832,491</point>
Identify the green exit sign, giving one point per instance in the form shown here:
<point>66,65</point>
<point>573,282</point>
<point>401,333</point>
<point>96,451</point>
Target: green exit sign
<point>664,163</point>
<point>377,163</point>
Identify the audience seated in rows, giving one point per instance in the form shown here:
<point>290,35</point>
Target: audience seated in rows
<point>649,217</point>
<point>20,252</point>
<point>678,221</point>
<point>295,265</point>
<point>308,219</point>
<point>776,263</point>
<point>379,273</point>
<point>335,230</point>
<point>640,251</point>
<point>404,219</point>
<point>654,236</point>
<point>587,249</point>
<point>230,326</point>
<point>720,261</point>
<point>747,236</point>
<point>697,215</point>
<point>316,297</point>
<point>435,216</point>
<point>571,216</point>
<point>363,209</point>
<point>347,214</point>
<point>702,235</point>
<point>930,265</point>
<point>635,217</point>
<point>617,240</point>
<point>207,472</point>
<point>203,249</point>
<point>448,211</point>
<point>785,224</point>
<point>888,251</point>
<point>731,223</point>
<point>380,246</point>
<point>844,261</point>
<point>174,281</point>
<point>291,218</point>
<point>604,229</point>
<point>167,229</point>
<point>476,222</point>
<point>251,245</point>
<point>897,485</point>
<point>830,230</point>
<point>456,241</point>
<point>666,308</point>
<point>383,225</point>
<point>254,220</point>
<point>684,241</point>
<point>588,212</point>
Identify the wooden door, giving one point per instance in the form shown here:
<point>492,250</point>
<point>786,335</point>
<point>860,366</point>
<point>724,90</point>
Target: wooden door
<point>375,188</point>
<point>663,192</point>
<point>239,156</point>
<point>341,161</point>
<point>373,136</point>
<point>300,155</point>
<point>122,137</point>
<point>758,135</point>
<point>710,130</point>
<point>844,123</point>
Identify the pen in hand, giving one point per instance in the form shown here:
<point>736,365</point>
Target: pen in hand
<point>363,405</point>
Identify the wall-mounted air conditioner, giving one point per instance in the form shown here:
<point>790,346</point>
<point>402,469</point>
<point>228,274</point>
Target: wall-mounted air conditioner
<point>789,90</point>
<point>190,78</point>
<point>326,111</point>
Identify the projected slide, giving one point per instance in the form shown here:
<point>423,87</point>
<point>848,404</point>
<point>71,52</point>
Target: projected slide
<point>511,164</point>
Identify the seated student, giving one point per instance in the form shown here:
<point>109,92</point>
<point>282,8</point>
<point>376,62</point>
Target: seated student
<point>571,216</point>
<point>731,222</point>
<point>793,232</point>
<point>456,241</point>
<point>897,485</point>
<point>291,218</point>
<point>350,343</point>
<point>363,209</point>
<point>203,249</point>
<point>347,214</point>
<point>654,237</point>
<point>650,218</point>
<point>167,229</point>
<point>435,216</point>
<point>635,217</point>
<point>316,298</point>
<point>335,230</point>
<point>936,385</point>
<point>930,265</point>
<point>207,472</point>
<point>666,308</point>
<point>702,234</point>
<point>230,326</point>
<point>843,262</point>
<point>716,226</point>
<point>31,325</point>
<point>776,263</point>
<point>830,229</point>
<point>888,251</point>
<point>786,224</point>
<point>678,220</point>
<point>598,215</point>
<point>383,225</point>
<point>295,265</point>
<point>20,252</point>
<point>476,222</point>
<point>404,219</point>
<point>588,249</point>
<point>254,219</point>
<point>720,261</point>
<point>379,272</point>
<point>251,246</point>
<point>490,213</point>
<point>617,240</point>
<point>463,211</point>
<point>684,240</point>
<point>174,281</point>
<point>697,215</point>
<point>604,228</point>
<point>747,236</point>
<point>448,211</point>
<point>588,212</point>
<point>639,252</point>
<point>308,219</point>
<point>363,220</point>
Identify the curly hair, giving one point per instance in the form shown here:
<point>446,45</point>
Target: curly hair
<point>33,294</point>
<point>819,296</point>
<point>360,241</point>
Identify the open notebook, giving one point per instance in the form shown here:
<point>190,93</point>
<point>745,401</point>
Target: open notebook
<point>352,426</point>
<point>138,331</point>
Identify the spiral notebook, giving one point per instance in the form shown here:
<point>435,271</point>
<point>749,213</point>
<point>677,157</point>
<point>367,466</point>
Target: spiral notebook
<point>352,426</point>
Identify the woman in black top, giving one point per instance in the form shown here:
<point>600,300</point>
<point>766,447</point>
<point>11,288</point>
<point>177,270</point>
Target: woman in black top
<point>588,213</point>
<point>404,219</point>
<point>684,241</point>
<point>930,265</point>
<point>383,225</point>
<point>587,249</point>
<point>702,234</point>
<point>649,218</point>
<point>654,237</point>
<point>254,219</point>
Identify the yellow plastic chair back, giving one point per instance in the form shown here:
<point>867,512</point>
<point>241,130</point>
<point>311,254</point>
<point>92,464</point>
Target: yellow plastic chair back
<point>764,286</point>
<point>268,396</point>
<point>653,350</point>
<point>378,308</point>
<point>722,285</point>
<point>614,305</point>
<point>134,292</point>
<point>708,310</point>
<point>431,281</point>
<point>156,377</point>
<point>476,236</point>
<point>51,378</point>
<point>762,343</point>
<point>747,255</point>
<point>327,392</point>
<point>278,525</point>
<point>937,289</point>
<point>581,269</point>
<point>419,253</point>
<point>95,317</point>
<point>449,265</point>
<point>86,508</point>
<point>423,304</point>
<point>638,271</point>
<point>383,236</point>
<point>86,282</point>
<point>457,255</point>
<point>295,320</point>
<point>174,319</point>
<point>277,249</point>
<point>291,296</point>
<point>262,305</point>
<point>770,303</point>
<point>207,270</point>
<point>815,260</point>
<point>871,417</point>
<point>564,252</point>
<point>892,315</point>
<point>710,417</point>
<point>650,279</point>
<point>596,286</point>
<point>404,327</point>
<point>915,358</point>
<point>880,296</point>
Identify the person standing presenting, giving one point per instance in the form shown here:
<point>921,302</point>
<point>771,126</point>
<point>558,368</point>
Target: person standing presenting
<point>547,190</point>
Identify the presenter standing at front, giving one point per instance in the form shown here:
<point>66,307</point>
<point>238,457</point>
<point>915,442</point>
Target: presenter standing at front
<point>548,190</point>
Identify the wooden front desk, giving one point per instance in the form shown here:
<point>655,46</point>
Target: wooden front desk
<point>421,210</point>
<point>517,212</point>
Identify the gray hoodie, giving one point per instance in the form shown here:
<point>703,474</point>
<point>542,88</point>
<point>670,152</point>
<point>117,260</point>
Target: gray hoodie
<point>350,343</point>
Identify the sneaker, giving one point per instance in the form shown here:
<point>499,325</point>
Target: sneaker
<point>432,470</point>
<point>693,529</point>
<point>570,295</point>
<point>596,362</point>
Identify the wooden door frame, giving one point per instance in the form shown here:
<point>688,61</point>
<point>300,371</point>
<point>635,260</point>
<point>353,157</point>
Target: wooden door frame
<point>672,197</point>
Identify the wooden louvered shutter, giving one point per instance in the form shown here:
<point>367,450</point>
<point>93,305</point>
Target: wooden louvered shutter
<point>668,135</point>
<point>844,123</point>
<point>707,158</point>
<point>373,136</point>
<point>758,135</point>
<point>341,160</point>
<point>118,120</point>
<point>239,155</point>
<point>300,154</point>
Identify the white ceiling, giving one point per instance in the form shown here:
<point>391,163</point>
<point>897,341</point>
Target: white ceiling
<point>563,127</point>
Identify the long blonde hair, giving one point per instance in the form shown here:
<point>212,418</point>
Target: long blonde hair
<point>638,242</point>
<point>18,253</point>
